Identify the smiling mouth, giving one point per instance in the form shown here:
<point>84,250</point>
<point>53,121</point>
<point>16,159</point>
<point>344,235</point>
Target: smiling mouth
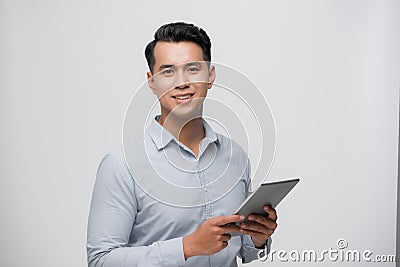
<point>183,97</point>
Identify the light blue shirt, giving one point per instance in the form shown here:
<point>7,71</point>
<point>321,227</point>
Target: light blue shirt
<point>128,227</point>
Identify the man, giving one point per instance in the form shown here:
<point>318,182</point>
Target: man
<point>129,227</point>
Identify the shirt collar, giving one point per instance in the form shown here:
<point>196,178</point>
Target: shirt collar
<point>162,137</point>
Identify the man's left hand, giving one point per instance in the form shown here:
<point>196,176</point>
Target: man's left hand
<point>260,227</point>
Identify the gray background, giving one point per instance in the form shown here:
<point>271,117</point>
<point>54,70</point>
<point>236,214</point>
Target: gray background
<point>330,71</point>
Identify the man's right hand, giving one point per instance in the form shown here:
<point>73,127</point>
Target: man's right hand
<point>211,237</point>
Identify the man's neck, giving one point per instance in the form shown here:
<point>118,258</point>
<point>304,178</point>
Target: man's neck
<point>189,131</point>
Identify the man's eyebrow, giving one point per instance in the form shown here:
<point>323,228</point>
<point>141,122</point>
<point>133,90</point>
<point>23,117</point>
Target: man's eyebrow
<point>194,63</point>
<point>189,64</point>
<point>166,66</point>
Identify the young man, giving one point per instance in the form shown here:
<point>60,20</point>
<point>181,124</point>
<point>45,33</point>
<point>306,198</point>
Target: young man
<point>129,227</point>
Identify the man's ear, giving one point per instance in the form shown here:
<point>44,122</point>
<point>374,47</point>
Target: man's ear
<point>211,76</point>
<point>150,82</point>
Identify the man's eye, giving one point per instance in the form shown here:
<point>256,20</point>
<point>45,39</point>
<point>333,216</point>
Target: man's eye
<point>193,69</point>
<point>167,72</point>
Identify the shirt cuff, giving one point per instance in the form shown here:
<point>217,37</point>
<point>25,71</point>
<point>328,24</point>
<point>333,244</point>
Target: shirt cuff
<point>251,253</point>
<point>266,249</point>
<point>172,252</point>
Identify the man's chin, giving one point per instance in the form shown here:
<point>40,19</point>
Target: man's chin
<point>184,114</point>
<point>185,111</point>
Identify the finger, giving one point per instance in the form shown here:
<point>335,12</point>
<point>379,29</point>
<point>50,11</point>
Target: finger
<point>230,228</point>
<point>226,237</point>
<point>222,220</point>
<point>271,213</point>
<point>256,235</point>
<point>256,227</point>
<point>263,220</point>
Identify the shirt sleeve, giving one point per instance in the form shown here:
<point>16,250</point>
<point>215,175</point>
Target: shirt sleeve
<point>248,252</point>
<point>112,214</point>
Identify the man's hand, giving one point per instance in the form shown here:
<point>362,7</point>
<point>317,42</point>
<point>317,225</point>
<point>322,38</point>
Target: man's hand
<point>211,237</point>
<point>261,227</point>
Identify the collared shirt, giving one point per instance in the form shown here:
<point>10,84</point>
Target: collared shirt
<point>129,227</point>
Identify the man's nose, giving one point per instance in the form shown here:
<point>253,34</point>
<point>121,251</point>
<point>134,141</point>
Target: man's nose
<point>182,81</point>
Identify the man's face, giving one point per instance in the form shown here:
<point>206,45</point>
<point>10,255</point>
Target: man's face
<point>180,77</point>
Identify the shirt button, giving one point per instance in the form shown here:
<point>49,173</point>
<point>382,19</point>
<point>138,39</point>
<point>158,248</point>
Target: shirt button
<point>205,189</point>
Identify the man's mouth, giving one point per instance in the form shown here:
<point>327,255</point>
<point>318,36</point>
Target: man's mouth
<point>183,97</point>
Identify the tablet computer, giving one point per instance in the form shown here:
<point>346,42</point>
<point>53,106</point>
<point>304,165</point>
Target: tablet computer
<point>267,194</point>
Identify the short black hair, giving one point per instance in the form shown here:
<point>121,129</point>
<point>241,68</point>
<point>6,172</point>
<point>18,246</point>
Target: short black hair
<point>179,32</point>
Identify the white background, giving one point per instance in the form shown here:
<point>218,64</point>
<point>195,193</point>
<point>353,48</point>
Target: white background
<point>330,71</point>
